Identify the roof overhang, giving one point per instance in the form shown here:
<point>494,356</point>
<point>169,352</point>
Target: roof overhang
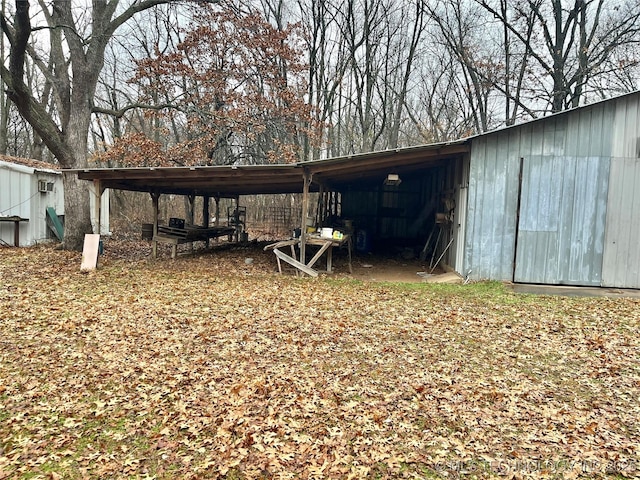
<point>228,181</point>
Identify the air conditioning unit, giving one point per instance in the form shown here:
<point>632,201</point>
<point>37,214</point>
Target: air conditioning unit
<point>44,186</point>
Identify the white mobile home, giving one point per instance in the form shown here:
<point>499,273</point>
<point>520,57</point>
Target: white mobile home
<point>28,189</point>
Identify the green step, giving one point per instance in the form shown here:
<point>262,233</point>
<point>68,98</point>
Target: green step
<point>58,229</point>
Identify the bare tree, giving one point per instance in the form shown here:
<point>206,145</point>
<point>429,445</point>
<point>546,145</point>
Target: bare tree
<point>77,41</point>
<point>464,34</point>
<point>575,41</point>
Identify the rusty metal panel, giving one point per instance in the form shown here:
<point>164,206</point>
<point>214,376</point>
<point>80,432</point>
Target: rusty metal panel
<point>562,220</point>
<point>621,262</point>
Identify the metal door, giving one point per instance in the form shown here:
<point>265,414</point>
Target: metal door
<point>621,266</point>
<point>561,220</point>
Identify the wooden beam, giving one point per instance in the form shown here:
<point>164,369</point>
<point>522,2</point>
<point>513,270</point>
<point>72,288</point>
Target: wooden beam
<point>292,261</point>
<point>205,215</point>
<point>155,199</point>
<point>97,206</point>
<point>306,179</point>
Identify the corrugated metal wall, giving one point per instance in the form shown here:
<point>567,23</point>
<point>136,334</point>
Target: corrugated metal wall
<point>576,154</point>
<point>562,220</point>
<point>491,209</point>
<point>621,263</point>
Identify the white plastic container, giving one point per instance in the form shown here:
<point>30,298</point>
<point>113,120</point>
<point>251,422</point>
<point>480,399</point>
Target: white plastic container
<point>326,232</point>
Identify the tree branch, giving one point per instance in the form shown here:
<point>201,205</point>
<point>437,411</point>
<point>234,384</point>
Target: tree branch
<point>120,112</point>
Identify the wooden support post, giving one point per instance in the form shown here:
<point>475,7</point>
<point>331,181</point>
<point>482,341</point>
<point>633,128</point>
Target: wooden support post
<point>237,218</point>
<point>217,222</point>
<point>205,215</point>
<point>155,199</point>
<point>320,209</point>
<point>97,207</point>
<point>306,178</point>
<point>191,215</point>
<point>16,233</point>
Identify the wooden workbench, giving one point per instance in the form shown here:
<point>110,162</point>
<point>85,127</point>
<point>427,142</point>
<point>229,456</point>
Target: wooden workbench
<point>326,245</point>
<point>176,236</point>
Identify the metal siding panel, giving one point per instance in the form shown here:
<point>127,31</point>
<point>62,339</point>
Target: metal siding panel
<point>573,136</point>
<point>537,139</point>
<point>597,131</point>
<point>631,131</point>
<point>489,206</point>
<point>560,135</point>
<point>493,179</point>
<point>524,141</point>
<point>5,189</point>
<point>554,133</point>
<point>539,212</point>
<point>625,129</point>
<point>472,232</point>
<point>621,260</point>
<point>512,163</point>
<point>584,130</point>
<point>562,221</point>
<point>587,222</point>
<point>16,201</point>
<point>607,129</point>
<point>473,268</point>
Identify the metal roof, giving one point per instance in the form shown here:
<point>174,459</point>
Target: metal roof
<point>232,180</point>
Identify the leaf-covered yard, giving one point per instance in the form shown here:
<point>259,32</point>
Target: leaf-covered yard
<point>206,367</point>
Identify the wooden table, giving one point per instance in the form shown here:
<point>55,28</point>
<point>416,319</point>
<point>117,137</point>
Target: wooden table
<point>326,245</point>
<point>16,227</point>
<point>176,236</point>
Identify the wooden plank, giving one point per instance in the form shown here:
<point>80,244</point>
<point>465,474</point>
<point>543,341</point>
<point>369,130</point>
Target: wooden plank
<point>172,231</point>
<point>291,261</point>
<point>169,239</point>
<point>323,249</point>
<point>90,252</point>
<point>284,243</point>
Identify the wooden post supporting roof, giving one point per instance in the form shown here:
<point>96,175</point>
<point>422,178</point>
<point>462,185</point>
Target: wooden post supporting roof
<point>98,189</point>
<point>155,199</point>
<point>205,215</point>
<point>306,178</point>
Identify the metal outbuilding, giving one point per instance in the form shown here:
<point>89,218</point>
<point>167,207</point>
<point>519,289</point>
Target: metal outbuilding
<point>552,201</point>
<point>557,200</point>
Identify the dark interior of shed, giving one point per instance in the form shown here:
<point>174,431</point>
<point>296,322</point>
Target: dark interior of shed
<point>409,212</point>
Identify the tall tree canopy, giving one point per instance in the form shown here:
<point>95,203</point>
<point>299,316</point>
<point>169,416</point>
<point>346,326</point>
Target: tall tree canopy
<point>232,91</point>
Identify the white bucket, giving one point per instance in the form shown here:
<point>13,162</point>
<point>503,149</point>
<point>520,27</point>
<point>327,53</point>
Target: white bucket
<point>326,232</point>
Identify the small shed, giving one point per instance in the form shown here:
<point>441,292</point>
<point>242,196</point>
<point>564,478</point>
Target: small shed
<point>31,194</point>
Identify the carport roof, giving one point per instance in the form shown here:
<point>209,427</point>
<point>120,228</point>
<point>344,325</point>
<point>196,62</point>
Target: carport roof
<point>232,180</point>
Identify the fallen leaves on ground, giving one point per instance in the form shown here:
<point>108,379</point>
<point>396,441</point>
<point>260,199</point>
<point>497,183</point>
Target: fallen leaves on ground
<point>209,367</point>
